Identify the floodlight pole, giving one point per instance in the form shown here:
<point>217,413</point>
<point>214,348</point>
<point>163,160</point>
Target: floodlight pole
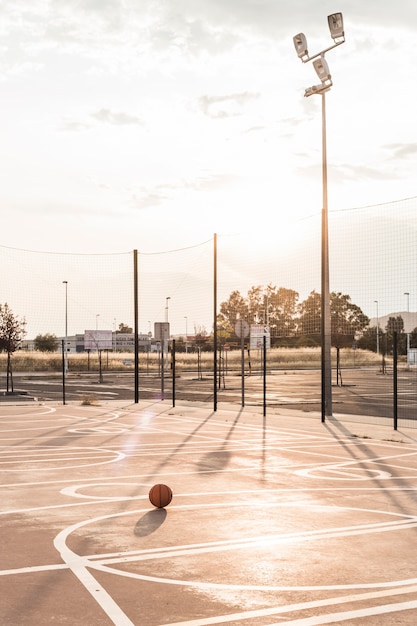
<point>326,364</point>
<point>320,65</point>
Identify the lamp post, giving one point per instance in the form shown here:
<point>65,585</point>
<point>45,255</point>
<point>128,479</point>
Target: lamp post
<point>407,293</point>
<point>335,22</point>
<point>166,320</point>
<point>377,327</point>
<point>186,333</point>
<point>166,307</point>
<point>65,282</point>
<point>97,316</point>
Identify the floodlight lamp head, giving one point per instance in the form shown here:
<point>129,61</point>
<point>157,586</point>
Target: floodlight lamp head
<point>300,44</point>
<point>317,89</point>
<point>335,21</point>
<point>322,69</point>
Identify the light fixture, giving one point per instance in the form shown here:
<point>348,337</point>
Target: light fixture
<point>322,69</point>
<point>335,21</point>
<point>300,43</point>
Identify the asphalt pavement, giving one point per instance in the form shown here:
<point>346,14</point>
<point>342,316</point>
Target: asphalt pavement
<point>276,519</point>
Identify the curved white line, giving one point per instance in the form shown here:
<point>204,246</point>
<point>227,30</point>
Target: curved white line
<point>69,556</point>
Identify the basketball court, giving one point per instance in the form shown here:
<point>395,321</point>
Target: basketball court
<point>274,520</point>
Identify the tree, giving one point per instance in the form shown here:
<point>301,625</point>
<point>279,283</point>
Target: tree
<point>368,339</point>
<point>396,325</point>
<point>12,331</point>
<point>309,312</point>
<point>236,307</point>
<point>124,329</point>
<point>46,343</point>
<point>347,319</point>
<point>280,307</point>
<point>269,305</point>
<point>413,338</point>
<point>201,336</point>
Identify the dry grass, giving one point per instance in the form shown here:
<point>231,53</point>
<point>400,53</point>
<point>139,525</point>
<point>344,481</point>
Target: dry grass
<point>90,400</point>
<point>277,358</point>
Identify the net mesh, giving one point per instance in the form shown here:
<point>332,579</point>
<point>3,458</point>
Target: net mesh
<point>372,257</point>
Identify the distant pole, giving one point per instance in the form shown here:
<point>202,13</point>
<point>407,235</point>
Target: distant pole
<point>63,373</point>
<point>136,322</point>
<point>186,333</point>
<point>215,323</point>
<point>408,334</point>
<point>65,282</point>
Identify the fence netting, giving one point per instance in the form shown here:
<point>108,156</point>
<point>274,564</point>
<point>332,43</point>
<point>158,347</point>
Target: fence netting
<point>273,269</point>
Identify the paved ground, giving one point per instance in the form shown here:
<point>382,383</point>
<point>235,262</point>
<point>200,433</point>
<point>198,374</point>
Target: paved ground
<point>274,520</point>
<point>357,391</point>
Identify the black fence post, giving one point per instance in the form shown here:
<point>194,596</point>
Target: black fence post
<point>173,371</point>
<point>395,376</point>
<point>264,373</point>
<point>63,373</point>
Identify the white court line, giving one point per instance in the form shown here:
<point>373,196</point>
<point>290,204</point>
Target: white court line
<point>113,454</point>
<point>319,619</point>
<point>405,523</point>
<point>79,566</point>
<point>350,615</point>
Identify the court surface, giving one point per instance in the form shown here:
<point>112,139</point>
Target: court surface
<point>274,520</point>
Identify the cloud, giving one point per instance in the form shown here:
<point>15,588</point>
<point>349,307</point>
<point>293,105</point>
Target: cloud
<point>347,172</point>
<point>360,172</point>
<point>146,197</point>
<point>70,125</point>
<point>401,150</point>
<point>117,119</point>
<point>218,107</point>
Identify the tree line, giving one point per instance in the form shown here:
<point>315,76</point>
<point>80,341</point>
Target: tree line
<point>375,338</point>
<point>292,322</point>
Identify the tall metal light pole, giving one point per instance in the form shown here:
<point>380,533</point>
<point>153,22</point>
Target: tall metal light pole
<point>335,22</point>
<point>377,327</point>
<point>65,282</point>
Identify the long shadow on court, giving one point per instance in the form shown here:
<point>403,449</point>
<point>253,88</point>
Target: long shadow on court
<point>371,458</point>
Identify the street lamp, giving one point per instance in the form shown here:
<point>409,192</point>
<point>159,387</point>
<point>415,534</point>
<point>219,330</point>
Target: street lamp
<point>166,307</point>
<point>186,333</point>
<point>65,282</point>
<point>335,22</point>
<point>407,293</point>
<point>97,316</point>
<point>377,327</point>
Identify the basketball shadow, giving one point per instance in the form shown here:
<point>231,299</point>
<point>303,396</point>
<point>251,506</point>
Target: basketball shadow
<point>150,522</point>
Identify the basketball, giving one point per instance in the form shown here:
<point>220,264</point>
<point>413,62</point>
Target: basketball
<point>160,496</point>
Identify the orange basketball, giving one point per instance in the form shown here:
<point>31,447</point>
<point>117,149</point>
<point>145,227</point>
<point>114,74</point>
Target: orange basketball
<point>160,496</point>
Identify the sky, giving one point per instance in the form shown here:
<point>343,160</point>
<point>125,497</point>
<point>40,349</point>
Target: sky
<point>152,124</point>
